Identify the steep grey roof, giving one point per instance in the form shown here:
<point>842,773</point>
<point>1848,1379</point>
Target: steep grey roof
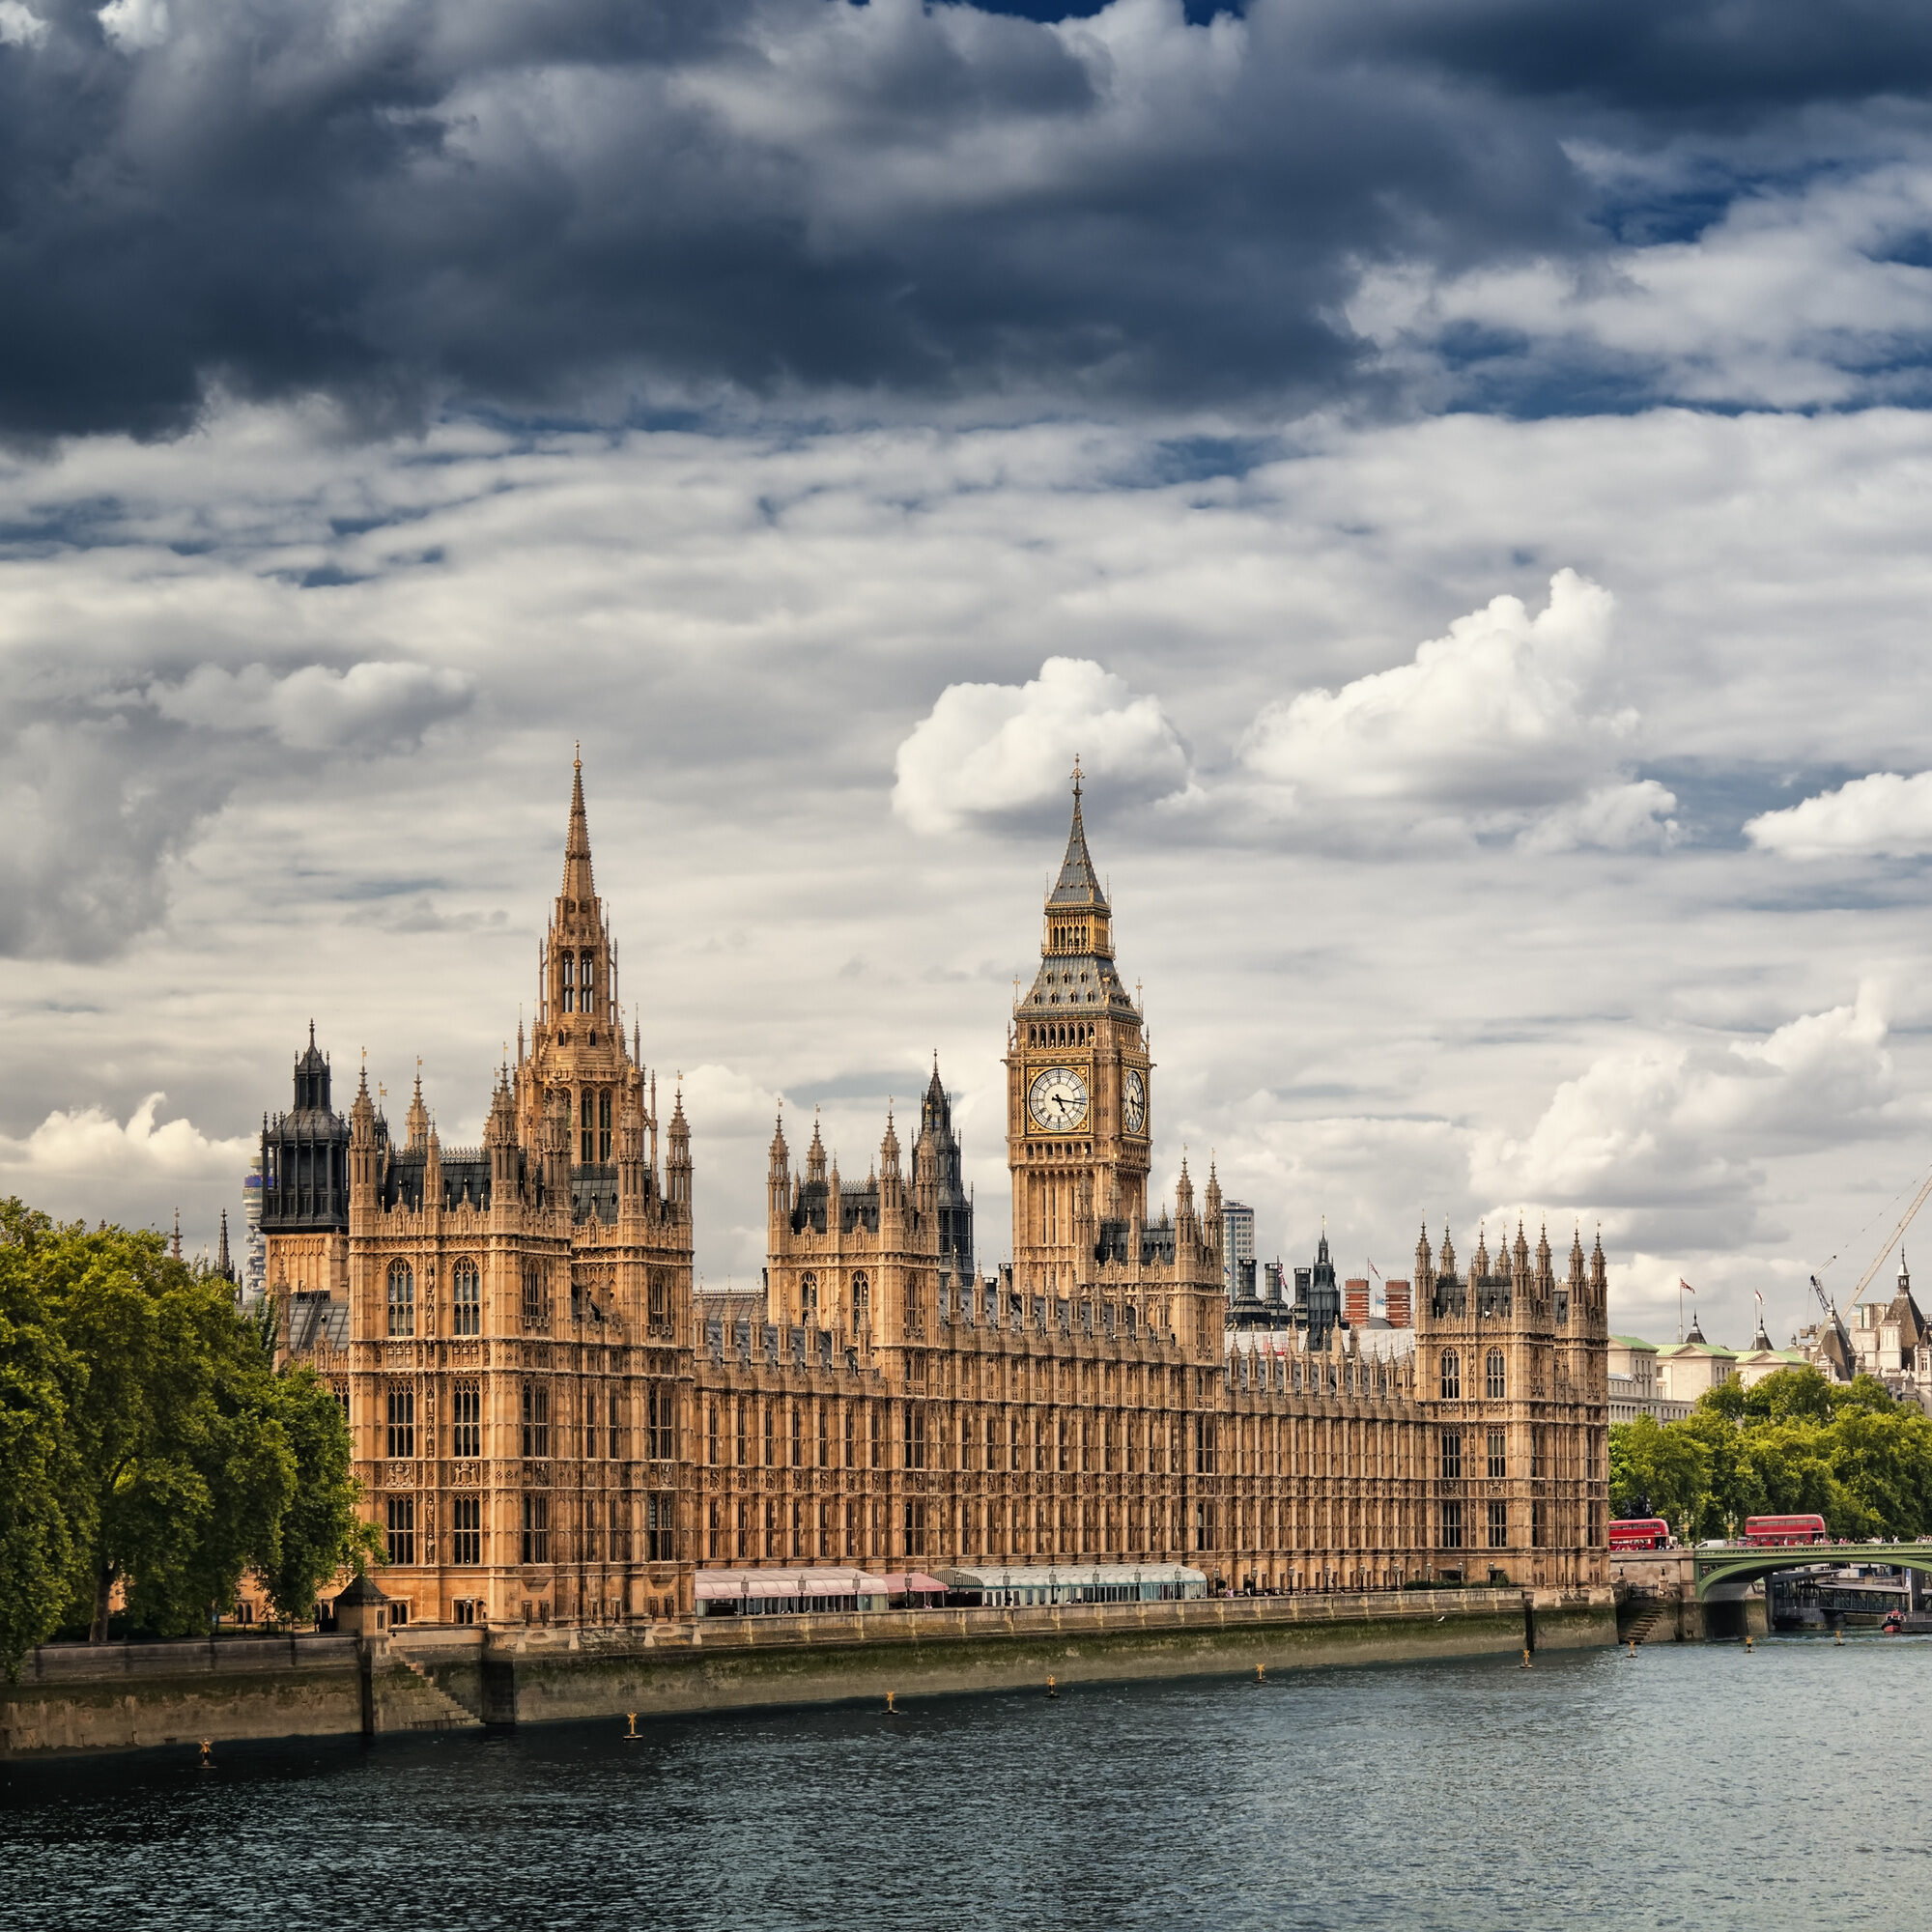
<point>1078,885</point>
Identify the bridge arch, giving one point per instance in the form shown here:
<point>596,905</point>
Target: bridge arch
<point>1724,1575</point>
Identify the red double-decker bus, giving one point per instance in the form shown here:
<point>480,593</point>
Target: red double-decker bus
<point>1774,1532</point>
<point>1640,1532</point>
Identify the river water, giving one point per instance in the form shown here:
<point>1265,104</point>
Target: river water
<point>1788,1786</point>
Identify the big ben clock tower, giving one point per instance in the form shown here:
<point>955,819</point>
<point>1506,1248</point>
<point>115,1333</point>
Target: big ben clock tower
<point>1079,1103</point>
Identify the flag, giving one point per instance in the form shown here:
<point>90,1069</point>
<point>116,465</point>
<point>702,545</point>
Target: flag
<point>1685,1286</point>
<point>1375,1271</point>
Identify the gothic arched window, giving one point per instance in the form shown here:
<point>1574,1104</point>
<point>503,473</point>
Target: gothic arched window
<point>861,1299</point>
<point>569,981</point>
<point>401,1299</point>
<point>1452,1376</point>
<point>808,1296</point>
<point>466,1290</point>
<point>1496,1377</point>
<point>586,980</point>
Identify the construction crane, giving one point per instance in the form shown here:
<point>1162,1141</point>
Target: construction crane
<point>1892,1242</point>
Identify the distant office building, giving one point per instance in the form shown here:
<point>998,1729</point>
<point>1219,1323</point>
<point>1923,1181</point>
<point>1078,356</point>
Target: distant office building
<point>1237,1245</point>
<point>1355,1302</point>
<point>1636,1385</point>
<point>254,1243</point>
<point>1397,1305</point>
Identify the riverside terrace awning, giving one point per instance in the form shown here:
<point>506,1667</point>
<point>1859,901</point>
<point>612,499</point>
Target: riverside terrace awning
<point>788,1592</point>
<point>913,1584</point>
<point>1018,1584</point>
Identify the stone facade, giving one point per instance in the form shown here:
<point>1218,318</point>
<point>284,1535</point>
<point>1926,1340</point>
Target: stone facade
<point>553,1426</point>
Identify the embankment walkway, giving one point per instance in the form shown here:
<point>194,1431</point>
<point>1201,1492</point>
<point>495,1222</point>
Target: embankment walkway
<point>80,1698</point>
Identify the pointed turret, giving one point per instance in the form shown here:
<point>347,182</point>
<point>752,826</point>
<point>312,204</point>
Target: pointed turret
<point>577,885</point>
<point>935,1110</point>
<point>1522,1253</point>
<point>630,1190</point>
<point>416,1121</point>
<point>778,1175</point>
<point>432,1197</point>
<point>814,1154</point>
<point>1447,1262</point>
<point>223,1266</point>
<point>1479,1267</point>
<point>500,1137</point>
<point>677,1168</point>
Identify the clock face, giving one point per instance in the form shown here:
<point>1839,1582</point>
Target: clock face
<point>1057,1100</point>
<point>1133,1102</point>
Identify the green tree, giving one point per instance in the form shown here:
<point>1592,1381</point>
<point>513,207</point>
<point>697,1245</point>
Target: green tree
<point>1732,1489</point>
<point>1658,1471</point>
<point>150,1446</point>
<point>41,1529</point>
<point>184,1470</point>
<point>322,1529</point>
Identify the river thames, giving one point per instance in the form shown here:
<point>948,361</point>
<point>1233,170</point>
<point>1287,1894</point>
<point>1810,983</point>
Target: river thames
<point>1690,1785</point>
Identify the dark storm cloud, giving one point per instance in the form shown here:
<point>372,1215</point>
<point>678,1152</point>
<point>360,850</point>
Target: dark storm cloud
<point>587,207</point>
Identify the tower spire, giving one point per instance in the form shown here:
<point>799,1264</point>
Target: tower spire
<point>1079,884</point>
<point>577,883</point>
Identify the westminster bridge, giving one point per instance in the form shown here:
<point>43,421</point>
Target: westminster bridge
<point>1711,1590</point>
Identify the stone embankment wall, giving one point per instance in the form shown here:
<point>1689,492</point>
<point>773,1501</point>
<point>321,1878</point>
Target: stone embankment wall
<point>122,1697</point>
<point>135,1697</point>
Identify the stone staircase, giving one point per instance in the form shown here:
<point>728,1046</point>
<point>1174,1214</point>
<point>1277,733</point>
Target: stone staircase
<point>1641,1615</point>
<point>417,1702</point>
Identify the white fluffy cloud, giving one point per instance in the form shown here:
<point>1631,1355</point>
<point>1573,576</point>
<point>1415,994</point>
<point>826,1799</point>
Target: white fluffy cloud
<point>1881,816</point>
<point>1672,1138</point>
<point>1494,726</point>
<point>20,26</point>
<point>1613,818</point>
<point>994,747</point>
<point>89,1145</point>
<point>1795,297</point>
<point>316,708</point>
<point>133,25</point>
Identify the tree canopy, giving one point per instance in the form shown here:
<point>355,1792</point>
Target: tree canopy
<point>149,1450</point>
<point>1794,1444</point>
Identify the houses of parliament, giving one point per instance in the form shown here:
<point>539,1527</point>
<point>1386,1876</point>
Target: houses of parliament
<point>551,1423</point>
